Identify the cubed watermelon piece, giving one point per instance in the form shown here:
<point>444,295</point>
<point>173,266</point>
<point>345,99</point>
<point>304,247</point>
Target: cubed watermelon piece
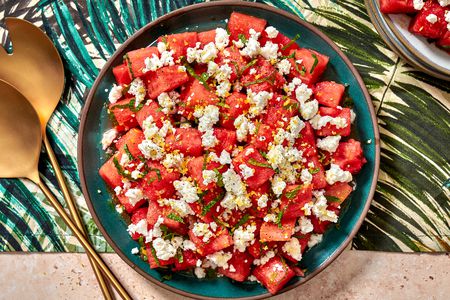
<point>123,115</point>
<point>251,157</point>
<point>206,37</point>
<point>338,192</point>
<point>420,25</point>
<point>165,79</point>
<point>108,172</point>
<point>235,105</point>
<point>239,266</point>
<point>255,249</point>
<point>151,108</point>
<point>187,140</point>
<point>242,23</point>
<point>272,232</point>
<point>137,216</point>
<point>281,110</point>
<point>265,77</point>
<point>263,137</point>
<point>329,93</point>
<point>194,95</point>
<point>227,140</point>
<point>121,74</point>
<point>154,262</point>
<point>221,241</point>
<point>349,156</point>
<point>233,58</point>
<point>254,195</point>
<point>189,261</point>
<point>329,129</point>
<point>316,169</point>
<point>294,198</point>
<point>155,211</point>
<point>131,139</point>
<point>274,274</point>
<point>158,182</point>
<point>282,42</point>
<point>307,141</point>
<point>312,65</point>
<point>179,42</point>
<point>195,169</point>
<point>397,6</point>
<point>135,60</point>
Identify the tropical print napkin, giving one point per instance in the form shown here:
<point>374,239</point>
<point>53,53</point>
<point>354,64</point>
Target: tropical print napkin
<point>411,207</point>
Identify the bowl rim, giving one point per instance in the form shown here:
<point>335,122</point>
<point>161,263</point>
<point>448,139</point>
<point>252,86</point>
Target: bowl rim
<point>193,7</point>
<point>400,45</point>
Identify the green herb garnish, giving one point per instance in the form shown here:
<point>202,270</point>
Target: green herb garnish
<point>250,64</point>
<point>241,222</point>
<point>153,251</point>
<point>332,199</point>
<point>242,38</point>
<point>158,173</point>
<point>128,61</point>
<point>213,202</point>
<point>296,37</point>
<point>166,277</point>
<point>219,177</point>
<point>127,151</point>
<point>314,171</point>
<point>279,217</point>
<point>191,72</point>
<point>121,171</point>
<point>292,194</point>
<point>316,61</point>
<point>130,105</point>
<point>175,217</point>
<point>254,162</point>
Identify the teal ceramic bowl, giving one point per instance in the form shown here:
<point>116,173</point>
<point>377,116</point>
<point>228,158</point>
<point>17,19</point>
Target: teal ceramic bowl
<point>203,17</point>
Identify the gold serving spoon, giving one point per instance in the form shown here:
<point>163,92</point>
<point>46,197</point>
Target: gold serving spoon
<point>36,70</point>
<point>21,141</point>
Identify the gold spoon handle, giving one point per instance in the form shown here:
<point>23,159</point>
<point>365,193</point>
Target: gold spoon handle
<point>87,246</point>
<point>75,214</point>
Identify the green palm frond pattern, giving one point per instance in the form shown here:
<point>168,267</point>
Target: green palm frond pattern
<point>411,207</point>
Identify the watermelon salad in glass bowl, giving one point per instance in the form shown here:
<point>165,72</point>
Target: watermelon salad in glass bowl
<point>227,144</point>
<point>431,18</point>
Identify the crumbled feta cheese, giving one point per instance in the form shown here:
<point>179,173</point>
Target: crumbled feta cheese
<point>222,38</point>
<point>212,68</point>
<point>219,259</point>
<point>252,48</point>
<point>139,228</point>
<point>150,150</point>
<point>135,251</point>
<point>173,160</point>
<point>136,174</point>
<point>272,32</point>
<point>309,109</point>
<point>246,171</point>
<point>168,102</point>
<point>432,18</point>
<point>306,177</point>
<point>187,190</point>
<point>224,73</point>
<point>352,116</point>
<point>262,201</point>
<point>164,249</point>
<point>317,122</point>
<point>329,143</point>
<point>320,208</point>
<point>209,140</point>
<point>232,269</point>
<point>447,18</point>
<point>239,44</point>
<point>200,272</point>
<point>137,88</point>
<point>223,89</point>
<point>117,190</point>
<point>303,93</point>
<point>108,137</point>
<point>278,185</point>
<point>293,248</point>
<point>161,47</point>
<point>208,53</point>
<point>208,116</point>
<point>305,225</point>
<point>444,3</point>
<point>269,51</point>
<point>134,196</point>
<point>242,237</point>
<point>307,208</point>
<point>119,208</point>
<point>314,240</point>
<point>264,259</point>
<point>418,4</point>
<point>336,174</point>
<point>209,176</point>
<point>225,158</point>
<point>180,207</point>
<point>202,230</point>
<point>258,101</point>
<point>284,66</point>
<point>115,93</point>
<point>189,245</point>
<point>242,125</point>
<point>295,126</point>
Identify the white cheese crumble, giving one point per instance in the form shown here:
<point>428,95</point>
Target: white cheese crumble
<point>135,251</point>
<point>161,47</point>
<point>293,248</point>
<point>222,38</point>
<point>418,4</point>
<point>306,176</point>
<point>180,207</point>
<point>134,196</point>
<point>317,122</point>
<point>168,102</point>
<point>189,245</point>
<point>314,240</point>
<point>242,237</point>
<point>173,160</point>
<point>303,93</point>
<point>329,143</point>
<point>219,259</point>
<point>284,66</point>
<point>272,32</point>
<point>209,140</point>
<point>164,249</point>
<point>154,63</point>
<point>202,230</point>
<point>258,101</point>
<point>269,51</point>
<point>444,3</point>
<point>246,171</point>
<point>243,127</point>
<point>151,150</point>
<point>108,137</point>
<point>431,18</point>
<point>139,228</point>
<point>278,185</point>
<point>336,174</point>
<point>262,201</point>
<point>252,47</point>
<point>208,116</point>
<point>137,89</point>
<point>320,208</point>
<point>309,109</point>
<point>186,190</point>
<point>115,93</point>
<point>209,176</point>
<point>305,225</point>
<point>200,272</point>
<point>264,259</point>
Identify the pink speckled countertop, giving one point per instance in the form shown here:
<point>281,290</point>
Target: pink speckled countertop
<point>354,275</point>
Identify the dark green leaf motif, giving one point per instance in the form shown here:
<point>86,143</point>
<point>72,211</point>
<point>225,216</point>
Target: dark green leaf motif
<point>411,208</point>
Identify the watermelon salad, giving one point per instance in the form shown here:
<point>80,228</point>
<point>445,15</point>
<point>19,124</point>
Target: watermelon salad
<point>431,18</point>
<point>228,153</point>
